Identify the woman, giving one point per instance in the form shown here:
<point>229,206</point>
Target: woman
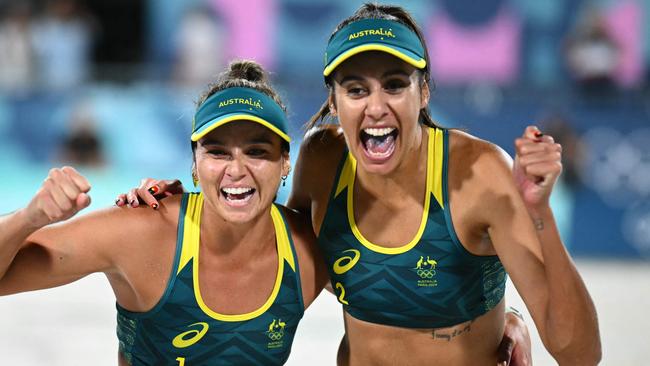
<point>419,224</point>
<point>173,308</point>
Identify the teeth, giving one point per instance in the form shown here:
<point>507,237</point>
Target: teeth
<point>378,131</point>
<point>238,190</point>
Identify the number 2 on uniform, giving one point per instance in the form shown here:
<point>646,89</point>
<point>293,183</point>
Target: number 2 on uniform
<point>342,295</point>
<point>181,361</point>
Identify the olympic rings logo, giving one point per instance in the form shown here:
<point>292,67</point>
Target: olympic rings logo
<point>426,273</point>
<point>276,336</point>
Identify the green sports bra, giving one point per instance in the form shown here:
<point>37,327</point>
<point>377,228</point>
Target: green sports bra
<point>431,281</point>
<point>182,331</point>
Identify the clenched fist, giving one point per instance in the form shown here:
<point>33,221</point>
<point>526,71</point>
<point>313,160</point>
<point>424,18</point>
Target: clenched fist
<point>64,193</point>
<point>538,163</point>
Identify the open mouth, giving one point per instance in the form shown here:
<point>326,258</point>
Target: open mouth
<point>237,195</point>
<point>379,143</point>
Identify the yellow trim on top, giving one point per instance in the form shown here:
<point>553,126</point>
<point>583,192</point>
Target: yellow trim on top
<point>437,134</point>
<point>238,117</point>
<point>284,253</point>
<point>425,212</point>
<point>419,64</point>
<point>191,229</point>
<point>345,178</point>
<point>282,238</point>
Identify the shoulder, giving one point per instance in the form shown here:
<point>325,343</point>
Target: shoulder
<point>469,154</point>
<point>323,138</point>
<point>479,175</point>
<point>320,153</point>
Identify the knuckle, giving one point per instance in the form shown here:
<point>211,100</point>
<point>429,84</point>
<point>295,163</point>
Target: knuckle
<point>53,173</point>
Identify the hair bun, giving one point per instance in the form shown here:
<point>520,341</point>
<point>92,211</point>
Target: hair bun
<point>247,70</point>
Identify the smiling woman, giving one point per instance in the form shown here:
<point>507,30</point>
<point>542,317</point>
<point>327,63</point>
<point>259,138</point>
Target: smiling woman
<point>220,277</point>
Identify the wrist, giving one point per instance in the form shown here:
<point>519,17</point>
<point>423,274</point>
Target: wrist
<point>26,222</point>
<point>539,211</point>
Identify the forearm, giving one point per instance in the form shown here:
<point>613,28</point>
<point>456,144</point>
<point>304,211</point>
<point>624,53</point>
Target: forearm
<point>15,228</point>
<point>571,325</point>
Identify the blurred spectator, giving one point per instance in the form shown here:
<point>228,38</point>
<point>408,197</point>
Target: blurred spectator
<point>592,55</point>
<point>82,146</point>
<point>16,53</point>
<point>199,47</point>
<point>63,41</point>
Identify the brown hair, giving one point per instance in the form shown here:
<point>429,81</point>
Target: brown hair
<point>243,74</point>
<point>388,12</point>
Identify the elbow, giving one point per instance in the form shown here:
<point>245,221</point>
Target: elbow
<point>590,357</point>
<point>583,350</point>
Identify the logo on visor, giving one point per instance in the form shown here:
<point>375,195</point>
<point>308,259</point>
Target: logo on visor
<point>248,101</point>
<point>372,32</point>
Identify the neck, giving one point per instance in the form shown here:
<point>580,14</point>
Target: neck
<point>408,178</point>
<point>223,238</point>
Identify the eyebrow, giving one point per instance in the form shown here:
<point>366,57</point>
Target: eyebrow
<point>383,76</point>
<point>350,78</point>
<point>395,72</point>
<point>253,141</point>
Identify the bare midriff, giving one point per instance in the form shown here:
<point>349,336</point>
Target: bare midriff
<point>471,343</point>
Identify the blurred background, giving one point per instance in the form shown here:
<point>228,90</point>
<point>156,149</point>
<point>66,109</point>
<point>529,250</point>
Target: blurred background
<point>109,87</point>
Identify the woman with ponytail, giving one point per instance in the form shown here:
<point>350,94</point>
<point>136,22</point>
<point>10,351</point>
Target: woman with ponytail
<point>420,224</point>
<point>220,277</point>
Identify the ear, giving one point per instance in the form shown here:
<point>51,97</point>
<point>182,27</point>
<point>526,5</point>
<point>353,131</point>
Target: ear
<point>286,164</point>
<point>424,95</point>
<point>332,104</point>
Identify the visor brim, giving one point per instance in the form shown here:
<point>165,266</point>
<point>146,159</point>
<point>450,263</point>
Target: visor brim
<point>401,53</point>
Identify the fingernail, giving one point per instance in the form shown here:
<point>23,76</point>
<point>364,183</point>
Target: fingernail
<point>153,189</point>
<point>154,206</point>
<point>132,202</point>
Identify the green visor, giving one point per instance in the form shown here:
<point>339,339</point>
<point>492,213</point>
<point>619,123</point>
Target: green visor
<point>374,35</point>
<point>236,104</point>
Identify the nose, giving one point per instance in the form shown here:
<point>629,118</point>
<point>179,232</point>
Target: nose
<point>376,107</point>
<point>236,168</point>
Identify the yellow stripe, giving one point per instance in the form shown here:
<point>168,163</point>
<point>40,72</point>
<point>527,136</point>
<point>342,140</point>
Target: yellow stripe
<point>282,243</point>
<point>344,178</point>
<point>197,135</point>
<point>191,229</point>
<point>282,238</point>
<point>419,64</point>
<point>436,136</point>
<point>425,211</point>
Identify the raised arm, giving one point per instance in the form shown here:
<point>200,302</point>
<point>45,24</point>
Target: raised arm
<point>524,234</point>
<point>35,254</point>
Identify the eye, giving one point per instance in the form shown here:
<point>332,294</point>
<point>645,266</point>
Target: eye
<point>356,91</point>
<point>256,152</point>
<point>395,85</point>
<point>217,153</point>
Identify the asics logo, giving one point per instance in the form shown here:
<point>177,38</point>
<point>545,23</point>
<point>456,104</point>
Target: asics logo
<point>192,336</point>
<point>346,263</point>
